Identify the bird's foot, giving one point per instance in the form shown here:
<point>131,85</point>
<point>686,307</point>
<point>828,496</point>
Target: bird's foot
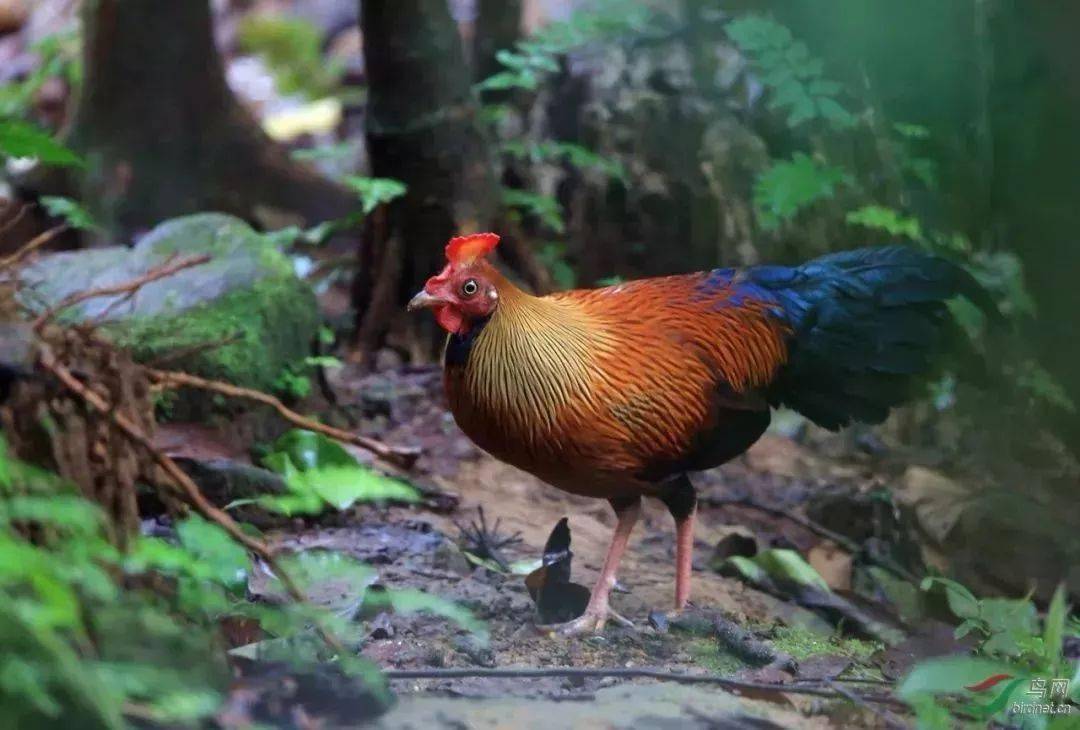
<point>590,622</point>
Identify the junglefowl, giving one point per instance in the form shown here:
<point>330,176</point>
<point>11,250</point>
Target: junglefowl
<point>619,392</point>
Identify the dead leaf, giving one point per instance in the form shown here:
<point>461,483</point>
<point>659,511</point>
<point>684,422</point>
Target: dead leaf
<point>936,639</point>
<point>937,500</point>
<point>833,563</point>
<point>823,666</point>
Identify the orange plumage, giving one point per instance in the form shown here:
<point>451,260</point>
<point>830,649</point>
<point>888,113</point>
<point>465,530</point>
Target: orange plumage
<point>619,392</point>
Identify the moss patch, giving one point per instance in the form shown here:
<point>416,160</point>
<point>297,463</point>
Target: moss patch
<point>707,654</point>
<point>272,322</point>
<point>801,643</point>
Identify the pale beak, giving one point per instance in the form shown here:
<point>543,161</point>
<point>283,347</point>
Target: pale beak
<point>423,300</point>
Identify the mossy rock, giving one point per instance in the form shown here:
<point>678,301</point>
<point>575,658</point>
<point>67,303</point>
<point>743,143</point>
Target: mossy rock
<point>243,317</point>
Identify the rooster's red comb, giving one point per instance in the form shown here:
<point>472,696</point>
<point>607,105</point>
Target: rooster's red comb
<point>464,250</point>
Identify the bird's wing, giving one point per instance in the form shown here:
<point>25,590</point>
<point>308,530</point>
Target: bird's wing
<point>679,386</point>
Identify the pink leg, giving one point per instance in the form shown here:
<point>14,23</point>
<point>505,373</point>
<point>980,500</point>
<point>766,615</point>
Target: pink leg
<point>598,610</point>
<point>684,559</point>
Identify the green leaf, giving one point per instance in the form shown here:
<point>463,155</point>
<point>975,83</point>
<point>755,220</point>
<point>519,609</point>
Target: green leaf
<point>486,563</point>
<point>789,72</point>
<point>374,191</point>
<point>226,559</point>
<point>961,601</point>
<point>791,185</point>
<point>292,49</point>
<point>72,212</point>
<point>544,207</point>
<point>903,595</point>
<point>21,139</point>
<point>911,131</point>
<point>929,715</point>
<point>320,472</point>
<point>1004,615</point>
<point>789,566</point>
<point>1042,386</point>
<point>1054,629</point>
<point>744,568</point>
<point>785,566</point>
<point>949,675</point>
<point>67,512</point>
<point>343,486</point>
<point>832,111</point>
<point>886,219</point>
<point>310,450</point>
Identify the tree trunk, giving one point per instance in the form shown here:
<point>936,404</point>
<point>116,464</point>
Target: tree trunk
<point>498,26</point>
<point>162,133</point>
<point>421,129</point>
<point>1036,112</point>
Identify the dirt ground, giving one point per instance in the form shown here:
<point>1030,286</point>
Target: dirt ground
<point>415,547</point>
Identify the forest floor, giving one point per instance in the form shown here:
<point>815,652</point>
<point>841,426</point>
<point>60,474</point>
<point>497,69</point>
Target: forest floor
<point>422,548</point>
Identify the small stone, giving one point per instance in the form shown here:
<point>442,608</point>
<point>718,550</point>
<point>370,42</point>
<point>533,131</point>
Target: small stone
<point>448,557</point>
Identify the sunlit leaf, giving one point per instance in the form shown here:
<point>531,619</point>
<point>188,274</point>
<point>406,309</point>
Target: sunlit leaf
<point>319,472</point>
<point>21,139</point>
<point>885,219</point>
<point>225,558</point>
<point>375,191</point>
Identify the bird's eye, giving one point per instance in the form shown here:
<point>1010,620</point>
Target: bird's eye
<point>469,287</point>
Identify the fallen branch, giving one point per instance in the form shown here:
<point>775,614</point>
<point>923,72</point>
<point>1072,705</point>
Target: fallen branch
<point>127,288</point>
<point>402,457</point>
<point>816,689</point>
<point>183,483</point>
<point>32,245</point>
<point>820,530</point>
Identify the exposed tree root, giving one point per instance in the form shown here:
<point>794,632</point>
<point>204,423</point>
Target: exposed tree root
<point>32,245</point>
<point>398,456</point>
<point>186,488</point>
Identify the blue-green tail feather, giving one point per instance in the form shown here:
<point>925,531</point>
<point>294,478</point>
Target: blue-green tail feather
<point>867,327</point>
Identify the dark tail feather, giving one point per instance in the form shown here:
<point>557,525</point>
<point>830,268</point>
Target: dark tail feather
<point>869,326</point>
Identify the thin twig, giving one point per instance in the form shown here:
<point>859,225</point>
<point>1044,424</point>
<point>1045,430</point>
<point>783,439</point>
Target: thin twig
<point>404,458</point>
<point>806,688</point>
<point>14,221</point>
<point>805,522</point>
<point>32,245</point>
<point>188,489</point>
<point>890,720</point>
<point>126,288</point>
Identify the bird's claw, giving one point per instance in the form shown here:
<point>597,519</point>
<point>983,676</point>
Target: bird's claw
<point>590,622</point>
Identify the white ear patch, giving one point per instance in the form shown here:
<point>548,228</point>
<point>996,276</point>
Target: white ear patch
<point>493,295</point>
